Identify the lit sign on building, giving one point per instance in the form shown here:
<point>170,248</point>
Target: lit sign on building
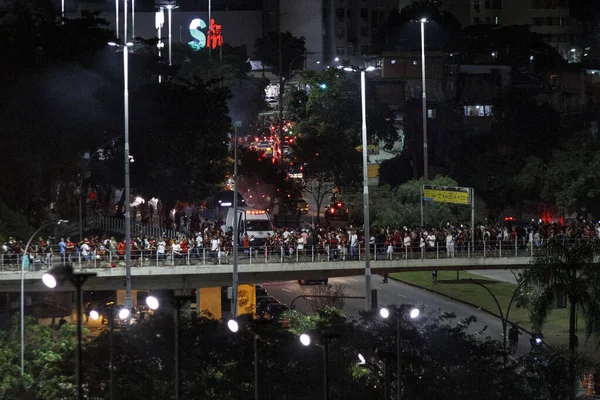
<point>213,37</point>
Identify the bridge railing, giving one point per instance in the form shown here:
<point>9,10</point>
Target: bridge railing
<point>104,258</point>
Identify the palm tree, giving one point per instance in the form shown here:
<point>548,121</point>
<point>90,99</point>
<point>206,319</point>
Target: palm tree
<point>568,268</point>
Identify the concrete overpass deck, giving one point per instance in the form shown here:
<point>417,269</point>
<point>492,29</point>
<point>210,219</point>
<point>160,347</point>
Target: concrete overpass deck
<point>188,273</point>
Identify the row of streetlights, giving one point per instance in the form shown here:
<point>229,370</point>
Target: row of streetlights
<point>325,338</point>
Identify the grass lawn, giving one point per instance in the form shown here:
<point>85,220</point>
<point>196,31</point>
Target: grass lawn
<point>556,329</point>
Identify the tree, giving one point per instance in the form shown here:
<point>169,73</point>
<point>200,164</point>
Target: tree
<point>334,301</point>
<point>267,49</point>
<point>182,149</point>
<point>401,206</point>
<point>570,178</point>
<point>41,55</point>
<point>48,362</point>
<point>568,268</point>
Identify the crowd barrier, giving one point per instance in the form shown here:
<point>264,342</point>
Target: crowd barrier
<point>273,254</point>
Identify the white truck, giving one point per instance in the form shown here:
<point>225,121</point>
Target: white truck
<point>251,222</point>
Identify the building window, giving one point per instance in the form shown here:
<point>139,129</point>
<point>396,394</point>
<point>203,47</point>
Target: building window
<point>364,13</point>
<point>476,5</point>
<point>497,21</point>
<point>340,50</point>
<point>476,20</point>
<point>364,49</point>
<point>364,31</point>
<point>339,13</point>
<point>488,20</point>
<point>488,4</point>
<point>478,111</point>
<point>497,4</point>
<point>339,33</point>
<point>431,113</point>
<point>415,62</point>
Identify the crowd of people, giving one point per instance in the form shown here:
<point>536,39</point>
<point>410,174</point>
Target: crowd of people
<point>210,243</point>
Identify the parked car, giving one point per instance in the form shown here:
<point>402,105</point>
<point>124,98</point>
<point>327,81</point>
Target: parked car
<point>313,281</point>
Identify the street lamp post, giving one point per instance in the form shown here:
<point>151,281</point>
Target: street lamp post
<point>234,327</point>
<point>170,8</point>
<point>367,228</point>
<point>503,317</point>
<point>78,279</point>
<point>385,313</point>
<point>123,314</point>
<point>117,17</point>
<point>159,21</point>
<point>424,103</point>
<point>234,286</point>
<point>22,316</point>
<point>127,190</point>
<point>325,338</point>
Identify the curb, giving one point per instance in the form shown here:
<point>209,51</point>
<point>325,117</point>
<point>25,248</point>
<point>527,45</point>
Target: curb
<point>459,301</point>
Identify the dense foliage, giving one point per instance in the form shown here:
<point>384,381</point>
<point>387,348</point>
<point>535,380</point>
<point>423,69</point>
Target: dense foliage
<point>439,359</point>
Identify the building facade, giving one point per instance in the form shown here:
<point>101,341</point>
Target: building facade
<point>549,18</point>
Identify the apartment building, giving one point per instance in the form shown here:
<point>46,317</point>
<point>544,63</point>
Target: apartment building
<point>549,18</point>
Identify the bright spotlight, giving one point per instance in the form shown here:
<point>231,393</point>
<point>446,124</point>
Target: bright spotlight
<point>414,313</point>
<point>361,359</point>
<point>233,325</point>
<point>423,20</point>
<point>49,280</point>
<point>370,69</point>
<point>337,59</point>
<point>152,302</point>
<point>305,339</point>
<point>124,313</point>
<point>538,340</point>
<point>94,315</point>
<point>348,69</point>
<point>384,312</point>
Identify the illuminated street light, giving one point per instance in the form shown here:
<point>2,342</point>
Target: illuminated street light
<point>61,274</point>
<point>233,325</point>
<point>152,302</point>
<point>94,315</point>
<point>385,313</point>
<point>124,313</point>
<point>305,339</point>
<point>324,338</point>
<point>361,359</point>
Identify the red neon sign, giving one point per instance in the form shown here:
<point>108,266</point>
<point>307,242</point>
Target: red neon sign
<point>215,34</point>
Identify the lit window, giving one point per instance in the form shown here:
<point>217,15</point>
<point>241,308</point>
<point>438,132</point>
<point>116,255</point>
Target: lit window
<point>393,61</point>
<point>431,113</point>
<point>415,62</point>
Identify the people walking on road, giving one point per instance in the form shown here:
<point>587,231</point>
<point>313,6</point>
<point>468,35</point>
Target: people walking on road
<point>385,277</point>
<point>434,277</point>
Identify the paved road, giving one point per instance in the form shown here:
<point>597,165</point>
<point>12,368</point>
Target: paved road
<point>397,293</point>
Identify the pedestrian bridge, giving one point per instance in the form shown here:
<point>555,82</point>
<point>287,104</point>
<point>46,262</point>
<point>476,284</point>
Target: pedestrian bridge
<point>204,269</point>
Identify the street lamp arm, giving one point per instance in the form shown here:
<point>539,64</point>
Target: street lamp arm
<point>292,63</point>
<point>493,296</point>
<point>306,296</point>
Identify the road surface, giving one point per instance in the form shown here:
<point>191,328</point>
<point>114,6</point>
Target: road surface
<point>397,293</point>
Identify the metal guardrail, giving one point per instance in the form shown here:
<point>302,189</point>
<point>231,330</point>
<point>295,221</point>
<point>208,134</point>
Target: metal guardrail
<point>99,258</point>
